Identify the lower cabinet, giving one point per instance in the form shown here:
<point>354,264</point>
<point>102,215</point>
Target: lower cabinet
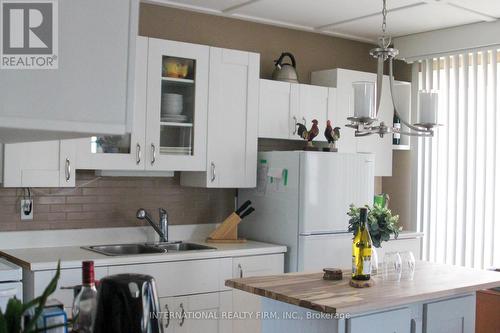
<point>196,313</point>
<point>454,315</point>
<point>193,292</point>
<point>395,321</point>
<point>247,303</point>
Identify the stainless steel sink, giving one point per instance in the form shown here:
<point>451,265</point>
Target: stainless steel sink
<point>132,249</point>
<point>124,249</point>
<point>177,247</point>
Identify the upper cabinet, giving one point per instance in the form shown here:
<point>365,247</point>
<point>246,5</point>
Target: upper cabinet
<point>233,102</point>
<point>177,96</point>
<point>282,105</point>
<point>39,164</point>
<point>170,113</point>
<point>91,91</point>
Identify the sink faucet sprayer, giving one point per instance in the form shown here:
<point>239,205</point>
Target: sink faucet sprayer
<point>162,228</point>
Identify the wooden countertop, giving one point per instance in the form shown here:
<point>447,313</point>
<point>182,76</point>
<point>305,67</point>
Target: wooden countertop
<point>309,290</point>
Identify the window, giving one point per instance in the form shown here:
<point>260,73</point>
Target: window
<point>457,173</point>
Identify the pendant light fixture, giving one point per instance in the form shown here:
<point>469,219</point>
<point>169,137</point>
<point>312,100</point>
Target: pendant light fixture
<point>367,96</point>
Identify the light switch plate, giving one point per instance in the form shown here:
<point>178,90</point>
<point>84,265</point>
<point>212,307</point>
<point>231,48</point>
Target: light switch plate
<point>24,216</point>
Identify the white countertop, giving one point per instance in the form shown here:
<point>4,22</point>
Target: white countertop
<point>45,258</point>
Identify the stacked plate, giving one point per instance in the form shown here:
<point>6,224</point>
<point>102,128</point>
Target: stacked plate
<point>175,150</point>
<point>171,104</point>
<point>174,118</point>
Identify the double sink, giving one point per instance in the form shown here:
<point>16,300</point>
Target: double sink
<point>142,248</point>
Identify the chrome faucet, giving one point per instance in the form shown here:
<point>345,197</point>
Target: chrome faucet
<point>162,228</point>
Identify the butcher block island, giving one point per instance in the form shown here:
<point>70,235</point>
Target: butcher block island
<point>440,299</point>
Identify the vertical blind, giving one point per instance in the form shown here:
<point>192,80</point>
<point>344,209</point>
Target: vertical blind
<point>457,174</point>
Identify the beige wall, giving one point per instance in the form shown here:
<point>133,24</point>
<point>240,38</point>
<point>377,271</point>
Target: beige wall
<point>111,202</point>
<point>312,51</point>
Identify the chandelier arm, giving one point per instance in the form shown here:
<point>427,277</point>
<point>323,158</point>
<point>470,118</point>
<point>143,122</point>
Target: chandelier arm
<point>407,124</point>
<point>380,77</point>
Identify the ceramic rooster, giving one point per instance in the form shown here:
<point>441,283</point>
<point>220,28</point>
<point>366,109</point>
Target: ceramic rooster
<point>331,135</point>
<point>308,135</point>
<point>314,131</point>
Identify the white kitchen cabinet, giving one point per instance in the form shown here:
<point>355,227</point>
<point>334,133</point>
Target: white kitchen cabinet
<point>453,315</point>
<point>342,79</point>
<point>243,301</point>
<point>393,321</point>
<point>183,277</point>
<point>282,105</point>
<point>274,110</point>
<point>313,104</point>
<point>196,313</point>
<point>121,152</point>
<point>90,91</point>
<point>176,136</point>
<point>34,283</point>
<point>39,164</point>
<point>232,122</point>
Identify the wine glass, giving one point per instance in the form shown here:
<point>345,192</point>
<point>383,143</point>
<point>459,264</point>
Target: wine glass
<point>392,267</point>
<point>408,265</point>
<point>374,261</point>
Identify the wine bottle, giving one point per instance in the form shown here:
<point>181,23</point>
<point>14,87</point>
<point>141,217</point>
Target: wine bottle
<point>362,249</point>
<point>396,136</point>
<point>85,303</point>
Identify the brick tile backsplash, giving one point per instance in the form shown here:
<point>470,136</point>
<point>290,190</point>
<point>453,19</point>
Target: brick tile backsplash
<point>103,202</point>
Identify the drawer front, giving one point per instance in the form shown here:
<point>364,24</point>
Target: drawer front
<point>394,321</point>
<point>183,277</point>
<point>68,278</point>
<point>258,265</point>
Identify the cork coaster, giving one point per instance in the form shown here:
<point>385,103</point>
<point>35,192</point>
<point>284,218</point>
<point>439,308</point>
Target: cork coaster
<point>361,283</point>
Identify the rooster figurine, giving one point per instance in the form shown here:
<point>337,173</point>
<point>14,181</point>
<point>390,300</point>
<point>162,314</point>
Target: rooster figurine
<point>308,135</point>
<point>331,135</point>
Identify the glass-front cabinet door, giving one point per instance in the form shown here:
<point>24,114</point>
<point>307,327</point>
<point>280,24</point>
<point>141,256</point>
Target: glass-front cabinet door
<point>121,152</point>
<point>177,97</point>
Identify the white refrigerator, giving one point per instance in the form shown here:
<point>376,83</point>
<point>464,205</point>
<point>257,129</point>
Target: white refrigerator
<point>301,201</point>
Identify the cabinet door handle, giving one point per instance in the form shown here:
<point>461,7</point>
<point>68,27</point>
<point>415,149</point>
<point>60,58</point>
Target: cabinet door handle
<point>138,153</point>
<point>305,121</point>
<point>183,315</point>
<point>294,125</point>
<point>240,269</point>
<point>168,315</point>
<point>67,170</point>
<point>153,154</point>
<point>212,166</point>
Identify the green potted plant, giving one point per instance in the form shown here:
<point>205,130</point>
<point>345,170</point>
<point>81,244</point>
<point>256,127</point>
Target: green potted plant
<point>12,319</point>
<point>381,223</point>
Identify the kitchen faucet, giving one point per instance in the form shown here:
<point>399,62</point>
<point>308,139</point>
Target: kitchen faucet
<point>162,228</point>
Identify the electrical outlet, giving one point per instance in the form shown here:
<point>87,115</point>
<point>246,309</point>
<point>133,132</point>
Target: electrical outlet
<point>26,209</point>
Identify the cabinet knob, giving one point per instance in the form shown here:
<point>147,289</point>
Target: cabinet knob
<point>240,269</point>
<point>294,125</point>
<point>67,169</point>
<point>138,153</point>
<point>153,154</point>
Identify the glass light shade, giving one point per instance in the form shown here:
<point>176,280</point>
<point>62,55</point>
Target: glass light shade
<point>427,107</point>
<point>364,100</point>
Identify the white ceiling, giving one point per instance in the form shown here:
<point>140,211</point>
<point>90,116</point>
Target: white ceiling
<point>354,19</point>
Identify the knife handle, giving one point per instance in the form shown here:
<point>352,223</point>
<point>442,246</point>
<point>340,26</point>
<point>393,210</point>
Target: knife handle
<point>243,207</point>
<point>247,212</point>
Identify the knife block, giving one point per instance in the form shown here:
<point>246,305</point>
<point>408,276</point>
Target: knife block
<point>227,232</point>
